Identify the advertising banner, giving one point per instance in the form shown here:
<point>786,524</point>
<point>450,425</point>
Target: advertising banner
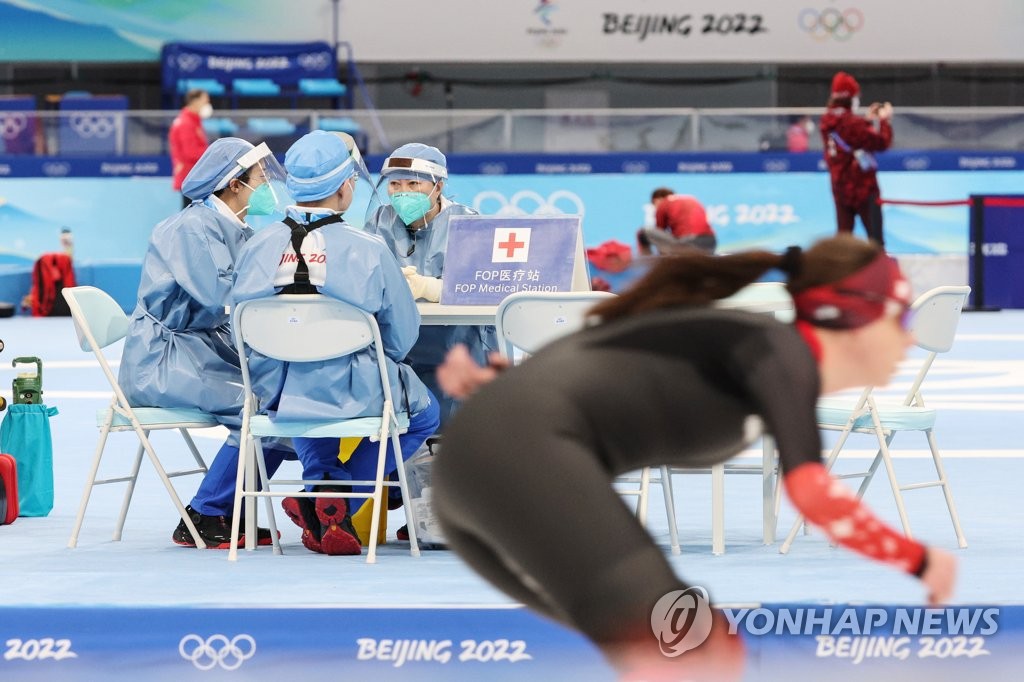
<point>586,31</point>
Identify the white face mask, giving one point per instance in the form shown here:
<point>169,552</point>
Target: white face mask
<point>206,111</point>
<point>855,103</point>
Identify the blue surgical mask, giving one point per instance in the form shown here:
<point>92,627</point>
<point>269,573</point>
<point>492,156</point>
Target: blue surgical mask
<point>262,201</point>
<point>411,206</point>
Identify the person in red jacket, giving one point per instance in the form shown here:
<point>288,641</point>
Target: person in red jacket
<point>680,220</point>
<point>187,139</point>
<point>850,143</point>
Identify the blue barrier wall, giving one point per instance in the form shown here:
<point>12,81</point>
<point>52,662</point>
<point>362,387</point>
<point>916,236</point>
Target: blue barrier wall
<point>753,200</point>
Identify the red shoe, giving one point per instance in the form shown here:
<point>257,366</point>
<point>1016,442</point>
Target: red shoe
<point>302,512</point>
<point>337,535</point>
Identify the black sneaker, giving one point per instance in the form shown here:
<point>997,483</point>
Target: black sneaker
<point>215,532</point>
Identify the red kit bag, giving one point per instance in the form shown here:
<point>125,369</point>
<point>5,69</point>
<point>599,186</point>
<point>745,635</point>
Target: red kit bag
<point>8,489</point>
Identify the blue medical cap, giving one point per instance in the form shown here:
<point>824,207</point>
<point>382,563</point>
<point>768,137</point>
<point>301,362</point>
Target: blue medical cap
<point>317,164</point>
<point>219,159</point>
<point>416,150</point>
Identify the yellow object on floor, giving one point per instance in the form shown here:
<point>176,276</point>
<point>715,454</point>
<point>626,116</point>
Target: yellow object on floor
<point>361,519</point>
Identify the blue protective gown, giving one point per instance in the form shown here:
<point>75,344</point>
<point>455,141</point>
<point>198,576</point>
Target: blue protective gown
<point>178,351</point>
<point>361,271</point>
<point>428,257</point>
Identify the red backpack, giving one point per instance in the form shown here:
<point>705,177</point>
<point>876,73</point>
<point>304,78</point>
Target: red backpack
<point>51,273</point>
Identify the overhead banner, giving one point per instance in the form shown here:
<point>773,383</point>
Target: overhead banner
<point>608,31</point>
<point>280,62</point>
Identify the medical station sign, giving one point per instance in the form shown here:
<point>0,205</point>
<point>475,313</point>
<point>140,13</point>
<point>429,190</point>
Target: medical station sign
<point>489,258</point>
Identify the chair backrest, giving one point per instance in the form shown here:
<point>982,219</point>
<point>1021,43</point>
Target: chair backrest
<point>99,320</point>
<point>936,315</point>
<point>529,320</point>
<point>305,328</point>
<point>762,297</point>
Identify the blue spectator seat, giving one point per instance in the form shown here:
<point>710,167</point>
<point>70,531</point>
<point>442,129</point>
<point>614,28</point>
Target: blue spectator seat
<point>211,85</point>
<point>220,127</point>
<point>271,127</point>
<point>321,87</point>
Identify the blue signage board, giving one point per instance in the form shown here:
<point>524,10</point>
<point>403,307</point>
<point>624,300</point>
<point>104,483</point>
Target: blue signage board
<point>488,257</point>
<point>997,223</point>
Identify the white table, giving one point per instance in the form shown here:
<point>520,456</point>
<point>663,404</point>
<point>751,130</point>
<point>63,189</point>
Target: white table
<point>435,313</point>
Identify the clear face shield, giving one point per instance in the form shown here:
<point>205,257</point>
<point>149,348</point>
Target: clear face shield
<point>264,175</point>
<point>409,190</point>
<point>364,193</point>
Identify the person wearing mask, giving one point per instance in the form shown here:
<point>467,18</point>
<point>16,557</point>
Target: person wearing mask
<point>314,251</point>
<point>850,142</point>
<point>680,220</point>
<point>187,139</point>
<point>531,430</point>
<point>413,221</point>
<point>178,351</point>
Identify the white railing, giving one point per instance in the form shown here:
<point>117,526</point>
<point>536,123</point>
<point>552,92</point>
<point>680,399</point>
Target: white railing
<point>499,131</point>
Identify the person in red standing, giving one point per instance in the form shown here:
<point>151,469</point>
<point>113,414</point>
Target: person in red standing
<point>679,220</point>
<point>187,139</point>
<point>850,142</point>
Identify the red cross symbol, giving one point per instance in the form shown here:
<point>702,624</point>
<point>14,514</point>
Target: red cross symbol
<point>511,245</point>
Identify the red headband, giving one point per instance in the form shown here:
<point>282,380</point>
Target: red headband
<point>877,289</point>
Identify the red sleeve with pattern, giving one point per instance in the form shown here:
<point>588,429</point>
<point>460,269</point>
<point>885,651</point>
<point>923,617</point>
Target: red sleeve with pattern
<point>833,507</point>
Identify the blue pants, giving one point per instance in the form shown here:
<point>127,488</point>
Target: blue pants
<point>216,494</point>
<point>319,456</point>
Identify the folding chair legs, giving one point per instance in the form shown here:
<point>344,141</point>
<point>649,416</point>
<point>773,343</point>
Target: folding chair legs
<point>670,509</point>
<point>73,541</point>
<point>946,492</point>
<point>884,456</point>
<point>144,446</point>
<point>769,490</point>
<point>129,490</point>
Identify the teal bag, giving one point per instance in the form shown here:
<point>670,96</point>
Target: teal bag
<point>25,434</point>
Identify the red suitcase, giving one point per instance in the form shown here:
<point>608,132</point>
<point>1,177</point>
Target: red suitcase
<point>8,489</point>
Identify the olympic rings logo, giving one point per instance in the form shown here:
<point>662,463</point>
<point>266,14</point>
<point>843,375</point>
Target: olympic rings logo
<point>56,169</point>
<point>831,22</point>
<point>12,125</point>
<point>217,650</point>
<point>92,126</point>
<point>314,61</point>
<point>189,61</point>
<point>520,203</point>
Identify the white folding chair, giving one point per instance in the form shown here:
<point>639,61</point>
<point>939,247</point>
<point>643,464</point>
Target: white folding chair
<point>311,328</point>
<point>936,314</point>
<point>99,322</point>
<point>768,298</point>
<point>528,321</point>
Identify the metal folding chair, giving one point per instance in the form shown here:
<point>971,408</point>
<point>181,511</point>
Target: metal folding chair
<point>530,320</point>
<point>100,322</point>
<point>936,315</point>
<point>311,328</point>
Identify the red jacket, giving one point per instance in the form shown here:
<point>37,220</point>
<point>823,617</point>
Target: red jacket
<point>850,141</point>
<point>188,142</point>
<point>683,216</point>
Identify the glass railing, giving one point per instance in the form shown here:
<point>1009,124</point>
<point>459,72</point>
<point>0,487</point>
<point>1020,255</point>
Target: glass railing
<point>485,131</point>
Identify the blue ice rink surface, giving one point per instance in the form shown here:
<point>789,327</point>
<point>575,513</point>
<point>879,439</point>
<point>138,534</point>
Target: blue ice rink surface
<point>128,608</point>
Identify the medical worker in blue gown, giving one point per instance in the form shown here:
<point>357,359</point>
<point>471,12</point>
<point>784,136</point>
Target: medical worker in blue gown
<point>343,262</point>
<point>413,220</point>
<point>178,351</point>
